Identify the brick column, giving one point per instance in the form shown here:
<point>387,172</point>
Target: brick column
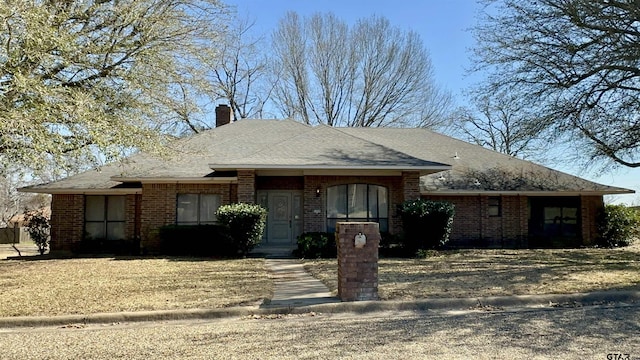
<point>411,185</point>
<point>357,267</point>
<point>67,222</point>
<point>314,211</point>
<point>157,208</point>
<point>247,186</point>
<point>589,208</point>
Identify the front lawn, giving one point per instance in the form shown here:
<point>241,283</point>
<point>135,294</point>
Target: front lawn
<point>93,285</point>
<point>476,273</point>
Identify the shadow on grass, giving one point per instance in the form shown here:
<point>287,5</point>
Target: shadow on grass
<point>566,333</point>
<point>115,257</point>
<point>473,273</point>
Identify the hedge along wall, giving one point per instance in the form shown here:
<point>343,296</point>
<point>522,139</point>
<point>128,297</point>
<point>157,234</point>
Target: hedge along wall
<point>427,223</point>
<point>158,206</point>
<point>472,225</point>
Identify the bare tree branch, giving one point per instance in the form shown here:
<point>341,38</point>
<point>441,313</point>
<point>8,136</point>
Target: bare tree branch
<point>576,63</point>
<point>371,74</point>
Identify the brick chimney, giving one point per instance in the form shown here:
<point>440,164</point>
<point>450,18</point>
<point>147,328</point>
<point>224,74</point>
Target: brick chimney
<point>223,115</point>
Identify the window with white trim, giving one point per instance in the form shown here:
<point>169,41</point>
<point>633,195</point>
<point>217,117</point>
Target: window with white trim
<point>357,202</point>
<point>104,217</point>
<point>197,209</point>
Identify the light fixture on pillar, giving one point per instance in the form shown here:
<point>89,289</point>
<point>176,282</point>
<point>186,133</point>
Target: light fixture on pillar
<point>318,191</point>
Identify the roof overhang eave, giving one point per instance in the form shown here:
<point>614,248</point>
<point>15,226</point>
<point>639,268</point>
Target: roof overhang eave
<point>424,170</point>
<point>527,193</point>
<point>177,180</point>
<point>71,191</point>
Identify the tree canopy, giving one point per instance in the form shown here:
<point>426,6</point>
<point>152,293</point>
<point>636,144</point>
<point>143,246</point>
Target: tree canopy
<point>576,63</point>
<point>86,80</point>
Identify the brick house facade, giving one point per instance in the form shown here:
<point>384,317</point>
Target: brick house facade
<point>308,177</point>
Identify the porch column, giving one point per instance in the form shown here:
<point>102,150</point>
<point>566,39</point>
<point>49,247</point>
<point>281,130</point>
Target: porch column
<point>247,186</point>
<point>411,185</point>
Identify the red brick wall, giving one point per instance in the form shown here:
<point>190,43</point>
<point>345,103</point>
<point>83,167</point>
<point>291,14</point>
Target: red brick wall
<point>472,225</point>
<point>67,221</point>
<point>280,183</point>
<point>233,193</point>
<point>589,208</point>
<point>247,186</point>
<point>317,221</point>
<point>411,185</point>
<point>158,207</point>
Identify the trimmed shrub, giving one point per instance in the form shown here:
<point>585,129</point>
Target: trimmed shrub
<point>392,246</point>
<point>617,225</point>
<point>38,227</point>
<point>314,245</point>
<point>197,240</point>
<point>101,246</point>
<point>245,222</point>
<point>426,224</point>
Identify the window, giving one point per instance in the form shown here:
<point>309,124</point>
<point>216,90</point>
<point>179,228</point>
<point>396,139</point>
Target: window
<point>495,206</point>
<point>195,209</point>
<point>561,221</point>
<point>104,217</point>
<point>357,202</point>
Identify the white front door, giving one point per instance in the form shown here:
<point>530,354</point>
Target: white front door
<point>284,219</point>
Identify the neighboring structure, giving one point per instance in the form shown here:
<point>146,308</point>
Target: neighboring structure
<point>311,177</point>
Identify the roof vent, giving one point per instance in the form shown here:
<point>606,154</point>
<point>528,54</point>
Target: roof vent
<point>456,157</point>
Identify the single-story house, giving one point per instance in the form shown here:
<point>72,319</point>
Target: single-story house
<point>310,177</point>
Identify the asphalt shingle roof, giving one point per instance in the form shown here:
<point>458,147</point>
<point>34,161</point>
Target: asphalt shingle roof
<point>475,168</point>
<point>286,144</point>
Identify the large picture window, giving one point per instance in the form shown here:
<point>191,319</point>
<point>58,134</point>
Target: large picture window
<point>104,217</point>
<point>357,202</point>
<point>196,209</point>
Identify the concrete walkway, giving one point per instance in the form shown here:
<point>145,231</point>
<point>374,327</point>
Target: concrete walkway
<point>294,286</point>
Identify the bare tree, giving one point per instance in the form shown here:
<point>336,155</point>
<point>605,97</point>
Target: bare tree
<point>371,74</point>
<point>501,124</point>
<point>575,62</point>
<point>240,73</point>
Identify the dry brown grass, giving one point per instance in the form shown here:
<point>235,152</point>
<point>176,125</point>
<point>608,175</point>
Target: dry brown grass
<point>475,273</point>
<point>83,286</point>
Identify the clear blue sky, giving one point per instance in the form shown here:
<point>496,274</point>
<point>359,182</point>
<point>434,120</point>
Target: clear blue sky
<point>443,26</point>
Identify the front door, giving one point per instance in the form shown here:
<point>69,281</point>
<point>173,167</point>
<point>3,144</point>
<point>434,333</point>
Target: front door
<point>284,219</point>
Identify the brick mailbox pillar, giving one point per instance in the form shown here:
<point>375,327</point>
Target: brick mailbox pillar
<point>357,264</point>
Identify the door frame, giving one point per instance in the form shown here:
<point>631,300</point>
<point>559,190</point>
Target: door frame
<point>295,220</point>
